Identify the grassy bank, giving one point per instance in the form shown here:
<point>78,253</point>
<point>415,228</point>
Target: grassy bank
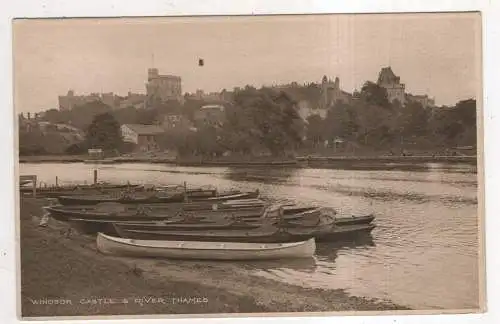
<point>59,264</point>
<point>51,158</point>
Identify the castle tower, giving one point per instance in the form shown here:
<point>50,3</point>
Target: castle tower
<point>330,92</point>
<point>152,74</point>
<point>392,84</point>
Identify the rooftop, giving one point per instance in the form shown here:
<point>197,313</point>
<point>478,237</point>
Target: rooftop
<point>207,107</point>
<point>145,129</point>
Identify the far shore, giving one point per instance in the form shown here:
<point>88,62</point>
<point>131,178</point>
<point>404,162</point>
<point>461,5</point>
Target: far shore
<point>303,161</point>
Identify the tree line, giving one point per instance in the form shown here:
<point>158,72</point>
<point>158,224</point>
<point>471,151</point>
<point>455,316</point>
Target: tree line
<point>267,120</point>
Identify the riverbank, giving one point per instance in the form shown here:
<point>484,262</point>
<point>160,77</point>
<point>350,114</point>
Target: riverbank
<point>58,264</point>
<point>303,161</point>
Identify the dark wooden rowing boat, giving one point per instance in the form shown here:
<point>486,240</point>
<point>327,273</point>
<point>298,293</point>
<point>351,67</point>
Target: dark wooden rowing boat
<point>158,197</point>
<point>344,232</point>
<point>113,212</point>
<point>196,225</point>
<point>78,188</point>
<point>124,198</point>
<point>354,220</point>
<point>93,226</point>
<point>263,234</point>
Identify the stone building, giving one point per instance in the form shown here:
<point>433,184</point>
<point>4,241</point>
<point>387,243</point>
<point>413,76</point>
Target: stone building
<point>70,100</point>
<point>395,89</point>
<point>424,100</point>
<point>163,87</point>
<point>214,115</point>
<point>331,93</point>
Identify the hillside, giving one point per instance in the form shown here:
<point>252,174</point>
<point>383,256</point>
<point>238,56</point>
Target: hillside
<point>38,142</point>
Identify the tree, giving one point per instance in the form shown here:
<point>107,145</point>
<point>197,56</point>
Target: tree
<point>340,121</point>
<point>104,132</point>
<point>315,131</point>
<point>413,119</point>
<point>267,116</point>
<point>373,124</point>
<point>465,111</point>
<point>56,116</point>
<point>373,94</point>
<point>83,115</point>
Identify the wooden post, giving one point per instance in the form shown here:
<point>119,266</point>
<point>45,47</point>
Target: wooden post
<point>185,192</point>
<point>57,181</point>
<point>95,176</point>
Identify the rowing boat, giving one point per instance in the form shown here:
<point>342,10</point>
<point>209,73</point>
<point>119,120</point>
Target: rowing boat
<point>354,220</point>
<point>92,226</point>
<point>344,232</point>
<point>85,188</point>
<point>267,233</point>
<point>152,198</point>
<point>125,198</point>
<point>119,212</point>
<point>204,250</point>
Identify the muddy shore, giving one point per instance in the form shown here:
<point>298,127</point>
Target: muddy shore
<point>62,274</point>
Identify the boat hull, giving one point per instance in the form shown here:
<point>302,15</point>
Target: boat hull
<point>87,201</point>
<point>259,235</point>
<point>354,220</point>
<point>177,198</point>
<point>77,188</point>
<point>106,226</point>
<point>228,251</point>
<point>128,213</point>
<point>345,232</point>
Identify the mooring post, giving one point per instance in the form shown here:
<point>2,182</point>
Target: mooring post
<point>95,176</point>
<point>57,181</point>
<point>34,186</point>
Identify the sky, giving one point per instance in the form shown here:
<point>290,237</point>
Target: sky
<point>434,54</point>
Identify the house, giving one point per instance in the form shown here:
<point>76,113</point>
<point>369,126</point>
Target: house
<point>143,136</point>
<point>210,115</point>
<point>175,121</point>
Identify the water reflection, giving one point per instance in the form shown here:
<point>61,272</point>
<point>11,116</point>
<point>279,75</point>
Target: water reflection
<point>329,250</point>
<point>261,175</point>
<point>302,265</point>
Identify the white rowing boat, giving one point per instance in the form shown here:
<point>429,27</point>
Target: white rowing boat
<point>204,250</point>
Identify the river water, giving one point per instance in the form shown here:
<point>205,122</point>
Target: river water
<point>423,252</point>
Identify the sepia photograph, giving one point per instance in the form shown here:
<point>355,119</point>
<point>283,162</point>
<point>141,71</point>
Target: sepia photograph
<point>265,165</point>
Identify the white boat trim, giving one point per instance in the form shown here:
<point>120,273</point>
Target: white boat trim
<point>204,250</point>
<point>201,245</point>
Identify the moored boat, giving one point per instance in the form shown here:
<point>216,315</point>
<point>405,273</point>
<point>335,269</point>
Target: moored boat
<point>92,226</point>
<point>153,212</point>
<point>72,188</point>
<point>344,232</point>
<point>267,233</point>
<point>204,250</point>
<point>354,220</point>
<point>157,197</point>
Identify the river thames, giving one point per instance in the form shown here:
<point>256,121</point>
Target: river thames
<point>423,252</point>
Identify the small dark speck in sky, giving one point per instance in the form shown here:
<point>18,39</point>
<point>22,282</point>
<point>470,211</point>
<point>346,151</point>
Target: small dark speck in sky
<point>201,62</point>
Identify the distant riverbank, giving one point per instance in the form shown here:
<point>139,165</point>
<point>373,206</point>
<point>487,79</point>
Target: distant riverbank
<point>304,161</point>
